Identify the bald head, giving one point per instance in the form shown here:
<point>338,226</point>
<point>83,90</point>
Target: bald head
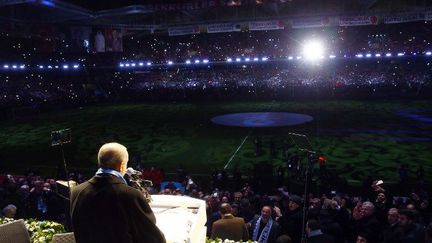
<point>114,156</point>
<point>225,208</point>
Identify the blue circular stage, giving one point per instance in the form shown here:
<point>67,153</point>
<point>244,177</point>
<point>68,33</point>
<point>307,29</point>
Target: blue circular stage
<point>261,119</point>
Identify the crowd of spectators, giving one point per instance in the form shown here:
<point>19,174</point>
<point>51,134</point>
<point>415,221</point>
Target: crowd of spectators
<point>335,79</point>
<point>376,216</point>
<point>99,77</point>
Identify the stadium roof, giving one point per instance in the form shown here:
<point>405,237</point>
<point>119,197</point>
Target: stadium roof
<point>146,14</point>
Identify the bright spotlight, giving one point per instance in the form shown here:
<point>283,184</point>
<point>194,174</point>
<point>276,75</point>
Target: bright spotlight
<point>298,57</point>
<point>65,66</point>
<point>170,63</point>
<point>205,61</point>
<point>359,55</point>
<point>400,54</point>
<point>332,56</point>
<point>127,64</point>
<point>197,61</point>
<point>122,65</point>
<point>188,61</point>
<point>247,59</point>
<point>238,59</point>
<point>22,66</point>
<point>428,53</point>
<point>141,64</point>
<point>75,66</point>
<point>368,55</point>
<point>133,64</point>
<point>49,67</point>
<point>313,50</point>
<point>388,54</point>
<point>290,58</point>
<point>14,66</point>
<point>6,66</point>
<point>377,55</point>
<point>229,59</point>
<point>148,63</point>
<point>41,66</point>
<point>256,59</point>
<point>264,59</point>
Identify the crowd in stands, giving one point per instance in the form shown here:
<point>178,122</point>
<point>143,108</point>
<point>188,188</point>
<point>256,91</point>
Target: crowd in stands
<point>272,80</point>
<point>375,215</point>
<point>99,76</point>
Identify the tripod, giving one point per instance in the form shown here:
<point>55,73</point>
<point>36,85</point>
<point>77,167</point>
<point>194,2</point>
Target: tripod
<point>303,144</point>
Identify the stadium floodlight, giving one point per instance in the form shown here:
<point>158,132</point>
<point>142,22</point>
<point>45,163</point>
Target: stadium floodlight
<point>49,67</point>
<point>41,66</point>
<point>313,50</point>
<point>121,65</point>
<point>377,55</point>
<point>229,59</point>
<point>22,66</point>
<point>388,54</point>
<point>256,59</point>
<point>188,62</point>
<point>149,64</point>
<point>400,54</point>
<point>14,66</point>
<point>368,55</point>
<point>133,64</point>
<point>264,59</point>
<point>428,53</point>
<point>6,66</point>
<point>205,61</point>
<point>290,58</point>
<point>247,59</point>
<point>56,66</point>
<point>197,61</point>
<point>238,59</point>
<point>127,64</point>
<point>359,55</point>
<point>332,56</point>
<point>65,66</point>
<point>170,62</point>
<point>75,66</point>
<point>141,64</point>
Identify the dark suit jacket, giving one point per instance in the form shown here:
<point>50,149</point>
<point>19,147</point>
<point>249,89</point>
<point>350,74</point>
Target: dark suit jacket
<point>230,227</point>
<point>274,230</point>
<point>106,210</point>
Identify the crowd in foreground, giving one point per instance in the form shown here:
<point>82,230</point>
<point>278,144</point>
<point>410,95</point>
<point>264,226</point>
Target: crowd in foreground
<point>275,215</point>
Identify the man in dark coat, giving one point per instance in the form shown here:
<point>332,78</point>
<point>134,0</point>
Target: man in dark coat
<point>229,227</point>
<point>263,229</point>
<point>393,232</point>
<point>291,222</point>
<point>105,209</point>
<point>314,233</point>
<point>413,232</point>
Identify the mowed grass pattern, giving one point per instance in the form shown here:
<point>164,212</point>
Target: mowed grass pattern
<point>359,138</point>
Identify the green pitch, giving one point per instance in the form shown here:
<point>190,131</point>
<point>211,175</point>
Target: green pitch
<point>359,138</point>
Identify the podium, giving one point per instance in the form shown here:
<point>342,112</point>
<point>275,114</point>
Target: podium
<point>180,218</point>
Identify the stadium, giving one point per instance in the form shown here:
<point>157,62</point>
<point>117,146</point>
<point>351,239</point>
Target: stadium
<point>259,97</point>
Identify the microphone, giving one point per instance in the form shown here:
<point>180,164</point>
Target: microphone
<point>130,172</point>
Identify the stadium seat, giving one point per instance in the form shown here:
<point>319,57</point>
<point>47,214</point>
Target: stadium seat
<point>64,238</point>
<point>14,232</point>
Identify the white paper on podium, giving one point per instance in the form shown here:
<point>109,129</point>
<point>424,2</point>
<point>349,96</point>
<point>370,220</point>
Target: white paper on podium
<point>180,218</point>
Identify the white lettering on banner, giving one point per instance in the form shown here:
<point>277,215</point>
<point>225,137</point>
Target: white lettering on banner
<point>358,20</point>
<point>310,22</point>
<point>225,27</point>
<point>184,30</point>
<point>401,18</point>
<point>266,25</point>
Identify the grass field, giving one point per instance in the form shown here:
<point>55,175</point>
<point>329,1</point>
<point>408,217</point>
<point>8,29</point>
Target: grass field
<point>358,138</point>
